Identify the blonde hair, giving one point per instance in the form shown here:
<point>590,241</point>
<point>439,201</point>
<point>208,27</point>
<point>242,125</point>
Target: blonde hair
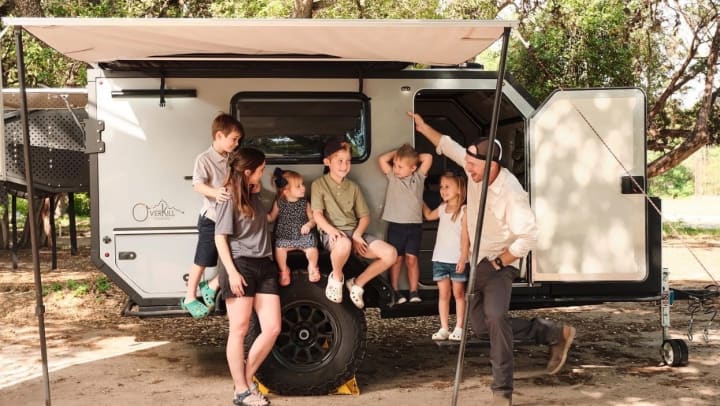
<point>460,183</point>
<point>406,151</point>
<point>239,161</point>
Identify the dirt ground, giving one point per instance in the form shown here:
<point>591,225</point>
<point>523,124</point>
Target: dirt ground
<point>98,357</point>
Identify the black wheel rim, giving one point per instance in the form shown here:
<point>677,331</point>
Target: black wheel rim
<point>308,338</point>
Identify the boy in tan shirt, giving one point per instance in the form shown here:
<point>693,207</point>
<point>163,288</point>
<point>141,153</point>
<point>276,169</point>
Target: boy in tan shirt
<point>342,215</point>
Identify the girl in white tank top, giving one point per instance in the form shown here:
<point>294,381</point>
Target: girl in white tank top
<point>450,255</point>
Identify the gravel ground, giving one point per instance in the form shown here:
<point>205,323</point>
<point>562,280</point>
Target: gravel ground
<point>98,357</point>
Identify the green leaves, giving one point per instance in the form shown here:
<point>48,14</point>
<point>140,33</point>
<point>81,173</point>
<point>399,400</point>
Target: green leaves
<point>576,43</point>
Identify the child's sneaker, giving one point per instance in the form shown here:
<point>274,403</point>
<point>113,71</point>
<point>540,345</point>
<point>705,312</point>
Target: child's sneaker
<point>400,297</point>
<point>414,297</point>
<point>441,335</point>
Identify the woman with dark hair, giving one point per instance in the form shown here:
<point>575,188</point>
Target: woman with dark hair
<point>249,281</point>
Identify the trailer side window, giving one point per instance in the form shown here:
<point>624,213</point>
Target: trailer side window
<point>294,127</point>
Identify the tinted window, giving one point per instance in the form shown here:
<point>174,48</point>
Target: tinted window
<point>293,127</point>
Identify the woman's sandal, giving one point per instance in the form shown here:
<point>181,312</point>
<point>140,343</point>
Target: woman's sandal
<point>196,309</point>
<point>250,398</point>
<point>284,277</point>
<point>256,391</point>
<point>314,274</point>
<point>333,290</point>
<point>208,294</point>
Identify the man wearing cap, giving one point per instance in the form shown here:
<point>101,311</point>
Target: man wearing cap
<point>509,233</point>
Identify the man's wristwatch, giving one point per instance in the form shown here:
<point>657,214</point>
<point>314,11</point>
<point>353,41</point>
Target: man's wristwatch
<point>499,263</point>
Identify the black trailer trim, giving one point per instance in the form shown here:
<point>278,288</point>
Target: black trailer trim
<point>168,93</point>
<point>149,230</point>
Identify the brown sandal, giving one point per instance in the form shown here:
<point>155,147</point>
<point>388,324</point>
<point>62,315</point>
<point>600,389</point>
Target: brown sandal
<point>314,274</point>
<point>284,278</point>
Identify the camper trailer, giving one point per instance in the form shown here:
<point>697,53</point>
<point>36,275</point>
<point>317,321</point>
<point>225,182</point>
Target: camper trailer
<point>156,85</point>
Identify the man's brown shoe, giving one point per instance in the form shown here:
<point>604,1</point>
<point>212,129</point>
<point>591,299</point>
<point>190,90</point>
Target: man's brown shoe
<point>501,399</point>
<point>559,350</point>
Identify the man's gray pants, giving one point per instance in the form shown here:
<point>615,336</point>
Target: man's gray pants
<point>489,307</point>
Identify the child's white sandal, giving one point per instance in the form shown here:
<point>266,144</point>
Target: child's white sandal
<point>333,290</point>
<point>441,335</point>
<point>356,293</point>
<point>456,334</point>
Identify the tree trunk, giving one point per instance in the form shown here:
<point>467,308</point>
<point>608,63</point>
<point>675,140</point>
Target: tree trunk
<point>699,172</point>
<point>700,135</point>
<point>5,221</point>
<point>303,9</point>
<point>45,220</point>
<point>43,225</point>
<point>5,230</point>
<point>28,8</point>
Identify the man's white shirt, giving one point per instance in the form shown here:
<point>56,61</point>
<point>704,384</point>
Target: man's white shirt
<point>509,223</point>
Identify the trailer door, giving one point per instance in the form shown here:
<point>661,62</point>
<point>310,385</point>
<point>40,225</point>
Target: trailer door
<point>591,219</point>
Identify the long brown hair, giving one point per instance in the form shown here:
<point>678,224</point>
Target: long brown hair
<point>460,182</point>
<point>239,161</point>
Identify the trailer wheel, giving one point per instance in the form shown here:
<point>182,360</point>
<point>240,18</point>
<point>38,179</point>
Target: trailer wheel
<point>674,352</point>
<point>321,343</point>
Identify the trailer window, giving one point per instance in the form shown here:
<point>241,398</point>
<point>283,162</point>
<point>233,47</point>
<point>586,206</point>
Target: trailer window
<point>294,127</point>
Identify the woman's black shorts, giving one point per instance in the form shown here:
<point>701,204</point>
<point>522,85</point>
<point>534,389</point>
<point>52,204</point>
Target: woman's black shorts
<point>261,275</point>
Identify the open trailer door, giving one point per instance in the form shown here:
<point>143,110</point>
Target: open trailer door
<point>591,220</point>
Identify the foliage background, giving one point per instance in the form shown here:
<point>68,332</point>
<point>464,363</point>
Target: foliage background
<point>664,47</point>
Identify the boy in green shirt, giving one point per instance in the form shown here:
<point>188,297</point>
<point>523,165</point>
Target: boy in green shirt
<point>342,215</point>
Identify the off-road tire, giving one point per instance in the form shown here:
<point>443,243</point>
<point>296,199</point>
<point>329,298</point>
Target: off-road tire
<point>321,343</point>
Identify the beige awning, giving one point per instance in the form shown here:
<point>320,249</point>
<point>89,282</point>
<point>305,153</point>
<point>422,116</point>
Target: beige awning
<point>433,42</point>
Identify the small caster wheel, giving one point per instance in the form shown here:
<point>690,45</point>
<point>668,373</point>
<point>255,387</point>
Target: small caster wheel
<point>674,352</point>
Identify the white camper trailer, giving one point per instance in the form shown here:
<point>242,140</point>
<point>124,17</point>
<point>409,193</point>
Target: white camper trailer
<point>156,85</point>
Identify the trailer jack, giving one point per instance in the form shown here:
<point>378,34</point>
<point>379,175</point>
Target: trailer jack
<point>674,351</point>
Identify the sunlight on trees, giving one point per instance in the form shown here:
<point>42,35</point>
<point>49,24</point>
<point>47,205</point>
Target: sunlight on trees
<point>669,48</point>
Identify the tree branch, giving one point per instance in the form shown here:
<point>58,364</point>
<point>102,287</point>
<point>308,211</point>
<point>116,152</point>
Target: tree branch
<point>671,87</point>
<point>700,135</point>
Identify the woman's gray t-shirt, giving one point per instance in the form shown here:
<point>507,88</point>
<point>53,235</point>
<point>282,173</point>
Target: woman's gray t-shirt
<point>248,237</point>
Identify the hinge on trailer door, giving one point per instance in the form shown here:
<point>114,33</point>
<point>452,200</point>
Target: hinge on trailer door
<point>93,136</point>
<point>162,90</point>
<point>632,185</point>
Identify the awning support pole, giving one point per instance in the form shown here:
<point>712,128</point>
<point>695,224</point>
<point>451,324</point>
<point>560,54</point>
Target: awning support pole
<point>481,214</point>
<point>40,307</point>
